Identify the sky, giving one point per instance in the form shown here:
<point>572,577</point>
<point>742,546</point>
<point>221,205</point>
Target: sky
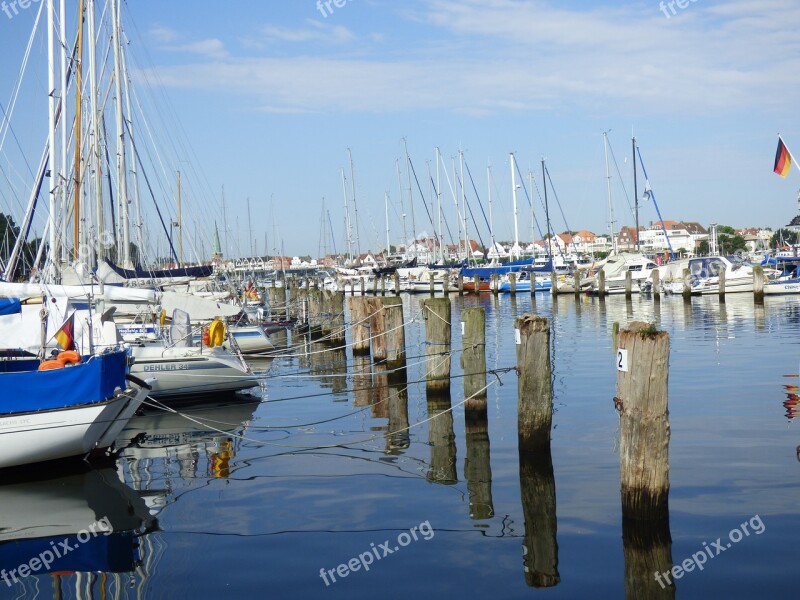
<point>263,104</point>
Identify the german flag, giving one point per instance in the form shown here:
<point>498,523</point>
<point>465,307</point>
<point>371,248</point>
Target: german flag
<point>783,159</point>
<point>66,335</point>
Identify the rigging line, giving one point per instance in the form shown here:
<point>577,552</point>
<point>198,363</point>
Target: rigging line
<point>424,202</point>
<point>444,217</point>
<point>538,193</point>
<point>621,181</point>
<point>561,210</point>
<point>480,204</point>
<point>472,216</point>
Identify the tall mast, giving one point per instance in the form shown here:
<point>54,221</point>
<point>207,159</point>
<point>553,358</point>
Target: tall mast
<point>547,214</point>
<point>402,206</point>
<point>608,184</point>
<point>225,223</point>
<point>62,162</point>
<point>464,205</point>
<point>635,192</point>
<point>51,109</point>
<point>122,184</point>
<point>95,146</point>
<point>250,230</point>
<point>491,217</point>
<point>515,250</point>
<point>347,227</point>
<point>386,212</point>
<point>533,219</point>
<point>180,224</point>
<point>129,122</point>
<point>439,205</point>
<point>355,207</point>
<point>410,197</point>
<point>77,229</point>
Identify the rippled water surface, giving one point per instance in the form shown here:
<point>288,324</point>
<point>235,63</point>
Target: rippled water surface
<point>334,461</point>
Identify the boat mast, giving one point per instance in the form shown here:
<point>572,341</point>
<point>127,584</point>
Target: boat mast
<point>410,197</point>
<point>635,192</point>
<point>51,109</point>
<point>129,122</point>
<point>355,206</point>
<point>122,184</point>
<point>467,249</point>
<point>95,146</point>
<point>547,216</point>
<point>402,206</point>
<point>78,232</point>
<point>610,204</point>
<point>491,218</point>
<point>180,224</point>
<point>439,204</point>
<point>62,162</point>
<point>386,213</point>
<point>515,249</point>
<point>347,228</point>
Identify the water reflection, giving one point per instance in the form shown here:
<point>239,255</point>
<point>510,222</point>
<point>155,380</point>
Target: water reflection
<point>477,465</point>
<point>792,399</point>
<point>442,440</point>
<point>540,547</point>
<point>62,530</point>
<point>648,550</point>
<point>163,449</point>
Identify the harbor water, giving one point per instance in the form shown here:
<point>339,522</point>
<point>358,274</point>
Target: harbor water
<point>336,480</point>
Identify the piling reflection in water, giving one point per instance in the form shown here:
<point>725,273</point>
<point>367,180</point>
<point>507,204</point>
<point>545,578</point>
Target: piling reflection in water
<point>441,439</point>
<point>477,465</point>
<point>648,550</point>
<point>398,437</point>
<point>538,490</point>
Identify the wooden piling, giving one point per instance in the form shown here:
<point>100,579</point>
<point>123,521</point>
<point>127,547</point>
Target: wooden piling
<point>377,326</point>
<point>473,355</point>
<point>576,282</point>
<point>436,313</point>
<point>398,438</point>
<point>655,275</point>
<point>687,284</point>
<point>476,281</point>
<point>396,284</point>
<point>512,281</point>
<point>554,284</point>
<point>534,386</point>
<point>363,284</point>
<point>374,285</point>
<point>431,282</point>
<point>628,285</point>
<point>383,284</point>
<point>477,467</point>
<point>758,283</point>
<point>394,333</point>
<point>446,283</point>
<point>336,310</point>
<point>615,336</point>
<point>460,284</point>
<point>601,283</point>
<point>642,364</point>
<point>359,323</point>
<point>721,284</point>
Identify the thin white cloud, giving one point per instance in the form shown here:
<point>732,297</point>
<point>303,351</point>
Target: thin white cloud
<point>506,55</point>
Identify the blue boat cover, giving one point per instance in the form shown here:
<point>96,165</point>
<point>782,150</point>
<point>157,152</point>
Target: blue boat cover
<point>10,306</point>
<point>24,389</point>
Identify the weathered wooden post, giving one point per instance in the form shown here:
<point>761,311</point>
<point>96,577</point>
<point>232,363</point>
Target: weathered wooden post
<point>512,282</point>
<point>383,284</point>
<point>628,285</point>
<point>314,315</point>
<point>576,281</point>
<point>642,362</point>
<point>430,281</point>
<point>615,336</point>
<point>534,387</point>
<point>396,284</point>
<point>554,284</point>
<point>687,284</point>
<point>374,285</point>
<point>460,283</point>
<point>446,283</point>
<point>337,324</point>
<point>758,283</point>
<point>363,284</point>
<point>655,275</point>
<point>360,321</point>
<point>377,329</point>
<point>721,283</point>
<point>436,312</point>
<point>538,490</point>
<point>473,358</point>
<point>601,283</point>
<point>494,284</point>
<point>395,333</point>
<point>476,280</point>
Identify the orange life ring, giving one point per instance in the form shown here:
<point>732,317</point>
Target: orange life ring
<point>50,365</point>
<point>206,336</point>
<point>69,357</point>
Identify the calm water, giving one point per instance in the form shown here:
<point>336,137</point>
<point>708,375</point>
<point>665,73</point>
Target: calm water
<point>253,498</point>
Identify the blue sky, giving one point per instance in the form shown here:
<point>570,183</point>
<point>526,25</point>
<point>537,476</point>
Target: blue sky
<point>265,98</point>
